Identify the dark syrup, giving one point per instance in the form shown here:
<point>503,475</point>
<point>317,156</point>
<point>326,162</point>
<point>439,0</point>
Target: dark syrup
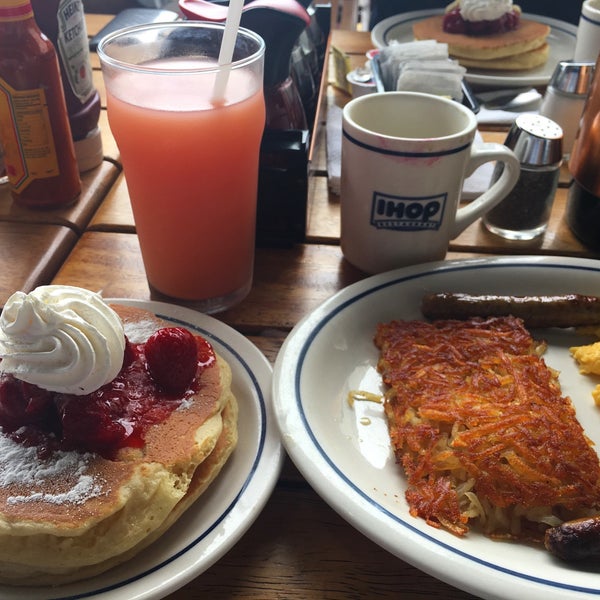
<point>583,215</point>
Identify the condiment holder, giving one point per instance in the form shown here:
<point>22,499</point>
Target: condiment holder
<point>285,151</point>
<point>524,213</point>
<point>361,82</point>
<point>565,97</point>
<point>466,95</point>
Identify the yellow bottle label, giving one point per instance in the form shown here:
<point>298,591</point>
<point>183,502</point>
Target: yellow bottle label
<point>26,136</point>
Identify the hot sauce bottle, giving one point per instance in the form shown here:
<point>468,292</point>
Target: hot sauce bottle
<point>34,125</point>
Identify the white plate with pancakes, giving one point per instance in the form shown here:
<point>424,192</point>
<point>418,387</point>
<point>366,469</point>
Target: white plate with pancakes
<point>561,42</point>
<point>343,449</point>
<point>217,520</point>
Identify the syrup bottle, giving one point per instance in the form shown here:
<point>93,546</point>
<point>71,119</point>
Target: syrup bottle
<point>34,126</point>
<point>583,202</point>
<point>279,24</point>
<point>63,21</point>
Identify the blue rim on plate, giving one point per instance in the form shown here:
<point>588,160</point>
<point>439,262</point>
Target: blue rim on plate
<point>330,352</point>
<point>212,525</point>
<point>561,41</point>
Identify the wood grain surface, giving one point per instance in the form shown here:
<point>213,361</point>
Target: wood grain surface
<point>298,548</point>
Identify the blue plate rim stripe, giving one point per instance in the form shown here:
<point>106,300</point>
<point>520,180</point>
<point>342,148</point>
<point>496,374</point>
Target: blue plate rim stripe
<point>227,510</point>
<point>298,398</point>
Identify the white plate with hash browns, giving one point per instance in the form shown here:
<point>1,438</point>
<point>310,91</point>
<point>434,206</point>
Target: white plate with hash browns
<point>217,520</point>
<point>343,449</point>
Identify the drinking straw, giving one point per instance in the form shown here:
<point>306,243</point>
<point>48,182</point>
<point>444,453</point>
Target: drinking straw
<point>232,24</point>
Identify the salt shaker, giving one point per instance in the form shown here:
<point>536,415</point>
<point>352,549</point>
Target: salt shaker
<point>565,97</point>
<point>524,213</point>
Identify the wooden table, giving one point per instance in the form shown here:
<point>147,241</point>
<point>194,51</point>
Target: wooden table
<point>298,547</point>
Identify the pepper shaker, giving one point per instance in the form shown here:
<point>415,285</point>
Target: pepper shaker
<point>565,97</point>
<point>524,213</point>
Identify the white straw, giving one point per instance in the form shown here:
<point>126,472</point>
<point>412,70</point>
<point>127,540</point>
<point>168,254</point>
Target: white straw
<point>232,24</point>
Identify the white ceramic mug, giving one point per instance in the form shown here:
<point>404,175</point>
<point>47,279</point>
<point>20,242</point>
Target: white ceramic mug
<point>404,159</point>
<point>587,45</point>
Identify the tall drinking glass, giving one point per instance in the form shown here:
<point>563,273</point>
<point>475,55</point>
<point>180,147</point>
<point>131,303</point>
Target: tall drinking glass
<point>190,159</point>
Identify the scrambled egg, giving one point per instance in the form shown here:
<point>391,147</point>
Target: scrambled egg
<point>588,360</point>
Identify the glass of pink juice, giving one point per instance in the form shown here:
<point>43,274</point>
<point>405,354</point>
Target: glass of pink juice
<point>190,158</point>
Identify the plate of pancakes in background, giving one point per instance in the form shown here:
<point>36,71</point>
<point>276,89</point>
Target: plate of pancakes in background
<point>216,520</point>
<point>531,52</point>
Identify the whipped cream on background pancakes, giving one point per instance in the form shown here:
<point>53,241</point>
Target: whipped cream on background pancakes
<point>483,10</point>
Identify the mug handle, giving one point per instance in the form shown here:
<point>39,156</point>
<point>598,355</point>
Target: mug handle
<point>481,154</point>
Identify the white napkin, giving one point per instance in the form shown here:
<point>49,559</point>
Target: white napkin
<point>474,185</point>
<point>500,117</point>
<point>479,181</point>
<point>334,148</point>
<point>421,66</point>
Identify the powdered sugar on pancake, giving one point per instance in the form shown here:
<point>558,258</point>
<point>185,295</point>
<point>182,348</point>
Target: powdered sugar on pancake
<point>21,466</point>
<point>140,331</point>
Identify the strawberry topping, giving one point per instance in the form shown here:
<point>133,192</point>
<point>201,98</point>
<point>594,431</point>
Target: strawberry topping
<point>155,378</point>
<point>454,23</point>
<point>172,357</point>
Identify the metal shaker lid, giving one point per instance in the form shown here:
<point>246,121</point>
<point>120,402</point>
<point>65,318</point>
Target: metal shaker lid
<point>536,140</point>
<point>572,78</point>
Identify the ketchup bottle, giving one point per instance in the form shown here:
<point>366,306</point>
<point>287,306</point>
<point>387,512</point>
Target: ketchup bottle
<point>34,126</point>
<point>63,21</point>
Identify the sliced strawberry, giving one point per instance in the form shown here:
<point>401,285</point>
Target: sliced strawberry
<point>478,27</point>
<point>12,404</point>
<point>510,20</point>
<point>129,355</point>
<point>23,404</point>
<point>87,426</point>
<point>172,357</point>
<point>206,354</point>
<point>454,23</point>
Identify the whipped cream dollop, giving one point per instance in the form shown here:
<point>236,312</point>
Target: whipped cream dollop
<point>484,10</point>
<point>61,338</point>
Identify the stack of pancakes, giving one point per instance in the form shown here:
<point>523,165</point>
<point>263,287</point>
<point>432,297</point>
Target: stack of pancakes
<point>520,49</point>
<point>70,515</point>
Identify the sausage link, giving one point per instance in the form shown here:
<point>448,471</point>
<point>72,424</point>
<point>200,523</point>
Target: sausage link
<point>569,310</point>
<point>574,540</point>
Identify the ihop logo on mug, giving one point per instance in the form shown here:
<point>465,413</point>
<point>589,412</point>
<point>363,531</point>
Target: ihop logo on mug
<point>402,213</point>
